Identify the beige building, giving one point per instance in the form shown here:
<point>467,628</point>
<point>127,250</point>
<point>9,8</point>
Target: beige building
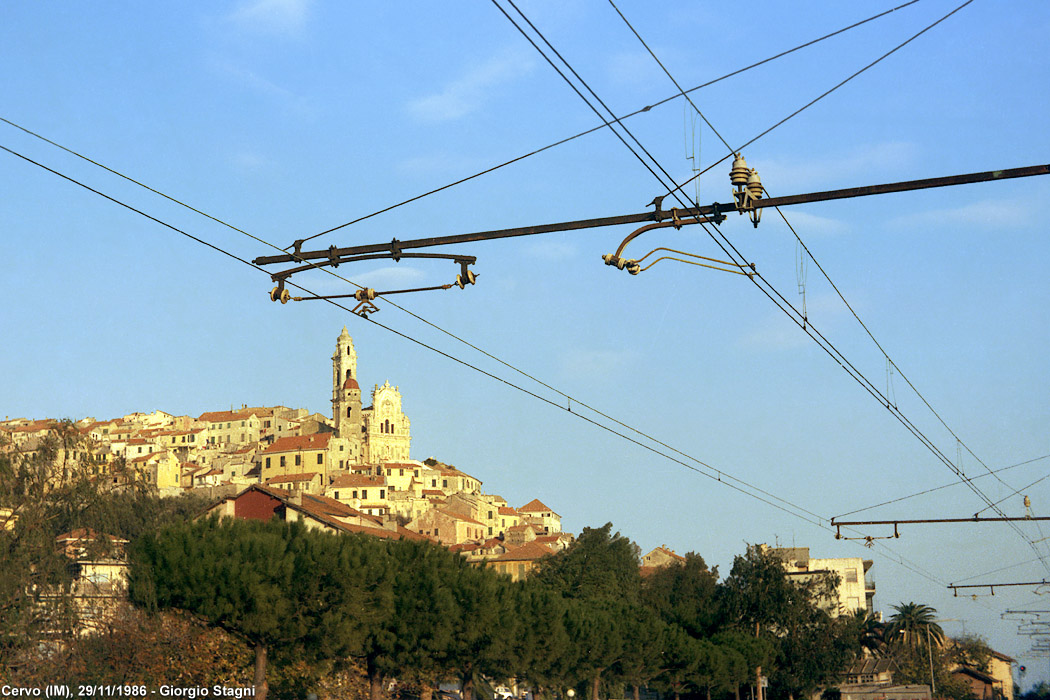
<point>378,433</point>
<point>517,562</point>
<point>535,513</point>
<point>854,591</point>
<point>447,527</point>
<point>363,492</point>
<point>660,557</point>
<point>231,427</point>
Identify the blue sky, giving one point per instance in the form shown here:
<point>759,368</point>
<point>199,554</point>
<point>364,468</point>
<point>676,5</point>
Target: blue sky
<point>287,117</point>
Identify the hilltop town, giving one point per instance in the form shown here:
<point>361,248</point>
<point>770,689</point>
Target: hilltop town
<point>351,472</point>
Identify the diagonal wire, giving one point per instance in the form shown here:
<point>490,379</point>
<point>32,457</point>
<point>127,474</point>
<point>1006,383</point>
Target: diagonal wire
<point>857,375</point>
<point>615,120</point>
<point>823,342</point>
<point>935,488</point>
<point>719,475</point>
<point>798,511</point>
<point>824,94</point>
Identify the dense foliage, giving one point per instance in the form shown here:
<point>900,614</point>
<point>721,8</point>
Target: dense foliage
<point>348,616</point>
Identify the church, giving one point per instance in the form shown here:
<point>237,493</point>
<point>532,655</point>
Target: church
<point>376,433</point>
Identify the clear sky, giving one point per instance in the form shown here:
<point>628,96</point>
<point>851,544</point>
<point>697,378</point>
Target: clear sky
<point>285,118</point>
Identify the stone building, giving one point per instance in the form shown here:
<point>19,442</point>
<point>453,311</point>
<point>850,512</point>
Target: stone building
<point>376,433</point>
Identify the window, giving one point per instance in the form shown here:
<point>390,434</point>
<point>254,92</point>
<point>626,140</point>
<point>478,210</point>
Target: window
<point>337,495</point>
<point>298,460</point>
<point>444,483</point>
<point>382,493</point>
<point>400,472</point>
<point>490,518</point>
<point>347,411</point>
<point>364,493</point>
<point>851,576</point>
<point>242,424</point>
<point>320,458</point>
<point>267,462</point>
<point>340,464</point>
<point>282,460</point>
<point>355,494</point>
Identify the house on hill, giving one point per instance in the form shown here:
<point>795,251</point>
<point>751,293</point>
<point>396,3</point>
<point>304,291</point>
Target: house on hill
<point>536,513</point>
<point>259,502</point>
<point>517,562</point>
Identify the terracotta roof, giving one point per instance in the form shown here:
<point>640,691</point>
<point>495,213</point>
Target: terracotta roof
<point>507,510</point>
<point>400,533</point>
<point>464,547</point>
<point>530,551</point>
<point>433,492</point>
<point>290,478</point>
<point>351,383</point>
<point>220,416</point>
<point>330,506</point>
<point>294,443</point>
<point>348,480</point>
<point>535,506</point>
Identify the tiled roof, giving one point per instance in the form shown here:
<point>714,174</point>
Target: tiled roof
<point>290,478</point>
<point>330,506</point>
<point>314,441</point>
<point>218,416</point>
<point>535,506</point>
<point>530,551</point>
<point>507,510</point>
<point>349,480</point>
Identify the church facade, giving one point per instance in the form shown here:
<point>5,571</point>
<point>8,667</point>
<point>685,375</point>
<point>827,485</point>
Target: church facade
<point>376,433</point>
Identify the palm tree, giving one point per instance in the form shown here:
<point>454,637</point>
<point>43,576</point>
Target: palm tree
<point>914,625</point>
<point>870,632</point>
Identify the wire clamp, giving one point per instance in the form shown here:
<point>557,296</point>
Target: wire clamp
<point>333,256</point>
<point>395,250</point>
<point>365,308</point>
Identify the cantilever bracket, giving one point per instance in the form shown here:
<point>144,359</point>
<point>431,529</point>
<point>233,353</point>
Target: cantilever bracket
<point>868,539</point>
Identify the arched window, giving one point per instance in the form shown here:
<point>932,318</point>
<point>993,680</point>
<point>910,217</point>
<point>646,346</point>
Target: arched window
<point>348,408</point>
<point>347,349</point>
<point>347,374</point>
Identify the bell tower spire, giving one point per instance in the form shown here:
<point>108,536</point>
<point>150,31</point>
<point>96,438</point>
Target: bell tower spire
<point>346,392</point>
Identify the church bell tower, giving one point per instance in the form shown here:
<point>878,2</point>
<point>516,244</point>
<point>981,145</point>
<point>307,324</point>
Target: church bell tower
<point>346,392</point>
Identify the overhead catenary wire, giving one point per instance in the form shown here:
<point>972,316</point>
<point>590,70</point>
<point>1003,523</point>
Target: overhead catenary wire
<point>642,110</point>
<point>719,474</point>
<point>804,320</point>
<point>742,261</point>
<point>936,488</point>
<point>783,505</point>
<point>857,375</point>
<point>768,289</point>
<point>827,92</point>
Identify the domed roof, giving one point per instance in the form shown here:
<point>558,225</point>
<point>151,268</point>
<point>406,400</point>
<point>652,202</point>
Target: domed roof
<point>351,383</point>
